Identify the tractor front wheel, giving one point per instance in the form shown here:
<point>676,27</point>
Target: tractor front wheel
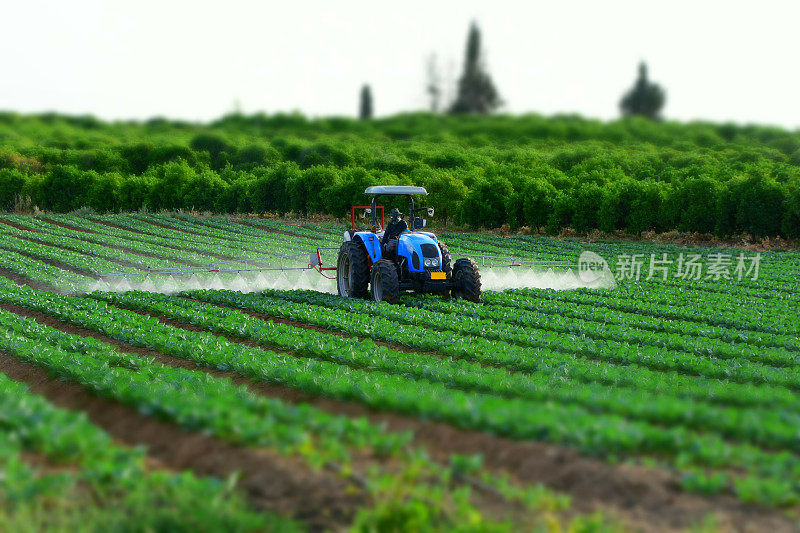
<point>447,266</point>
<point>352,270</point>
<point>384,286</point>
<point>467,280</point>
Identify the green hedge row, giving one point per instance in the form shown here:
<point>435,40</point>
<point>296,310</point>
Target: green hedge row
<point>750,202</point>
<point>481,171</point>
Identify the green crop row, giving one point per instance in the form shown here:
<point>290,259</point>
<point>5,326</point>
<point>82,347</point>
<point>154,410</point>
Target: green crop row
<point>188,240</point>
<point>78,252</point>
<point>100,234</point>
<point>220,228</point>
<point>43,273</point>
<point>506,416</point>
<point>761,426</point>
<point>97,485</point>
<point>350,319</point>
<point>476,337</point>
<point>200,402</point>
<point>506,323</point>
<point>551,305</point>
<point>513,417</point>
<point>723,314</point>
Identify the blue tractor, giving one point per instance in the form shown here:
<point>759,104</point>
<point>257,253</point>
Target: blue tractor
<point>380,262</point>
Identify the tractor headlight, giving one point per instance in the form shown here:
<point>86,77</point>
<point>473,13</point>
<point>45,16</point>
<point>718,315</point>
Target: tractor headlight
<point>431,262</point>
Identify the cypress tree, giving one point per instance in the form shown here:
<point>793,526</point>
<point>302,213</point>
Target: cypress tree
<point>644,99</point>
<point>476,91</point>
<point>365,105</point>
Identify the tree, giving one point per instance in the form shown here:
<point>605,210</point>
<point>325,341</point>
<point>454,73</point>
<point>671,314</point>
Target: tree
<point>365,106</point>
<point>645,99</point>
<point>433,85</point>
<point>476,91</point>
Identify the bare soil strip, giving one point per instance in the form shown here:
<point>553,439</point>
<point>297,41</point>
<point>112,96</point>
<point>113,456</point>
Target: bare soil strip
<point>303,325</point>
<point>110,225</point>
<point>272,482</point>
<point>65,226</point>
<point>238,237</point>
<point>16,278</point>
<point>15,225</point>
<point>200,225</point>
<point>57,264</point>
<point>111,246</point>
<point>115,226</point>
<point>64,247</point>
<point>262,228</point>
<point>648,499</point>
<point>164,226</point>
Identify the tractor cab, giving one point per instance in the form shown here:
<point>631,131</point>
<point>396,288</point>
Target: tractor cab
<point>400,255</point>
<point>415,222</point>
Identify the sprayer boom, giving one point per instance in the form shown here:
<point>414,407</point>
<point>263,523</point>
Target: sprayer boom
<point>288,262</point>
<point>313,269</point>
<point>510,261</point>
<point>311,261</point>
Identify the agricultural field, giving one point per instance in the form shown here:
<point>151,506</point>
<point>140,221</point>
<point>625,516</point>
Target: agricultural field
<point>263,401</point>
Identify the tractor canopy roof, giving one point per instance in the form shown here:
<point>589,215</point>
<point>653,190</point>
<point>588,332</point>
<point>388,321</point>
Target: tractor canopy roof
<point>400,190</point>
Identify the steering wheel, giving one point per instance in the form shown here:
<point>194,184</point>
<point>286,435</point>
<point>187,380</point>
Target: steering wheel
<point>375,228</point>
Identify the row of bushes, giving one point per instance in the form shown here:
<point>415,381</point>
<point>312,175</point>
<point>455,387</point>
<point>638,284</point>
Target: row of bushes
<point>552,173</point>
<point>71,131</point>
<point>751,201</point>
<point>217,152</point>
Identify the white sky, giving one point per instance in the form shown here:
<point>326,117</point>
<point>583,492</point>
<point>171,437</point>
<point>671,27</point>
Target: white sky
<point>718,60</point>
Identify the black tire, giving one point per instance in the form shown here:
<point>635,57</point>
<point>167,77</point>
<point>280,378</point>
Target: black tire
<point>466,275</point>
<point>352,270</point>
<point>447,266</point>
<point>384,285</point>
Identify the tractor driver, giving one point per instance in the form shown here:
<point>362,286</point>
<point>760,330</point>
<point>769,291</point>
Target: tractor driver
<point>396,226</point>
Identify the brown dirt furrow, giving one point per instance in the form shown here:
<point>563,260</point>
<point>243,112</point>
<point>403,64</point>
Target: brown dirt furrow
<point>262,228</point>
<point>164,226</point>
<point>146,254</point>
<point>58,264</point>
<point>126,264</point>
<point>649,499</point>
<point>303,325</point>
<point>234,238</point>
<point>111,246</point>
<point>22,280</point>
<point>15,225</point>
<point>490,501</point>
<point>65,226</point>
<point>179,248</point>
<point>189,233</point>
<point>110,225</point>
<point>44,464</point>
<point>271,481</point>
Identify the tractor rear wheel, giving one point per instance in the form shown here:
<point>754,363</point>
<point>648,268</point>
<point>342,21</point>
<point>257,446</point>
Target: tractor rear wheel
<point>447,266</point>
<point>467,280</point>
<point>352,270</point>
<point>384,286</point>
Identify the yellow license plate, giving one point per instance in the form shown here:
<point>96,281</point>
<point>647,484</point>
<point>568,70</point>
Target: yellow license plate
<point>438,275</point>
